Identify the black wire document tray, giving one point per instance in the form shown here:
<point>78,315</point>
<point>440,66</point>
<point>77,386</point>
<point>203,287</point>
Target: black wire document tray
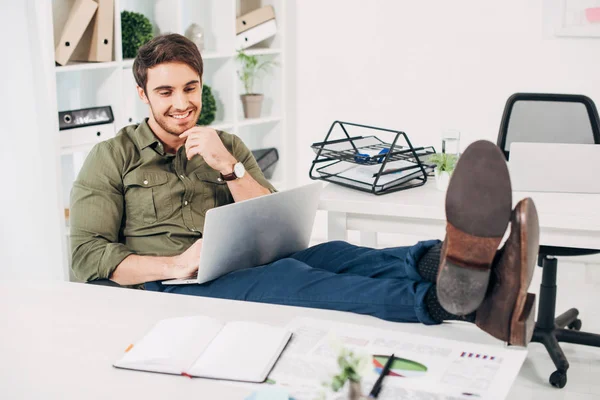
<point>368,163</point>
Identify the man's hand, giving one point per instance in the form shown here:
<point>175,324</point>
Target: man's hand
<point>206,143</point>
<point>186,264</point>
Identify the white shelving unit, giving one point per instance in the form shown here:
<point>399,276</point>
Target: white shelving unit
<point>81,84</point>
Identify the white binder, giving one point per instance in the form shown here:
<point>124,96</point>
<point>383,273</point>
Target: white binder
<point>254,18</point>
<point>256,35</point>
<point>83,139</point>
<point>101,47</point>
<point>79,18</point>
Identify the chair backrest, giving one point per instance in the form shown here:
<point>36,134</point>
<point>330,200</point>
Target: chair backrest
<point>548,118</point>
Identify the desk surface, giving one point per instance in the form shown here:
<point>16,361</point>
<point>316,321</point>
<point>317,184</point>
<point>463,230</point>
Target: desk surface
<point>59,340</point>
<point>566,219</point>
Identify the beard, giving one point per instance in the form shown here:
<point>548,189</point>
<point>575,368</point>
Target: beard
<point>171,125</point>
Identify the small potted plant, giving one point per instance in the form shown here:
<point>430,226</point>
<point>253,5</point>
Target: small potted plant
<point>136,30</point>
<point>444,165</point>
<point>352,367</point>
<point>209,107</point>
<point>251,68</point>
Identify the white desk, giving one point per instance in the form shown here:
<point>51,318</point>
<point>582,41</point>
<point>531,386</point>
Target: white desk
<point>59,340</point>
<point>566,219</point>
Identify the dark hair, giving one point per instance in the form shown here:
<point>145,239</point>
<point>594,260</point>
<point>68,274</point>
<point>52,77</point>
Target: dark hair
<point>171,47</point>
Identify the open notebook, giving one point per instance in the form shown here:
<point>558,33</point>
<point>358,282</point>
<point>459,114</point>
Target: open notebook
<point>205,347</point>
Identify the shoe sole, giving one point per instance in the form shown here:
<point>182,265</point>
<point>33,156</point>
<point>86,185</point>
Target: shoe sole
<point>523,317</point>
<point>478,209</point>
<point>512,320</point>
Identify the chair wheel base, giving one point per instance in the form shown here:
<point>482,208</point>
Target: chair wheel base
<point>575,325</point>
<point>558,379</point>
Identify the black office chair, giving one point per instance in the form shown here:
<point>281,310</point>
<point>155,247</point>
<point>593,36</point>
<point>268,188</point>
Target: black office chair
<point>105,282</point>
<point>553,118</point>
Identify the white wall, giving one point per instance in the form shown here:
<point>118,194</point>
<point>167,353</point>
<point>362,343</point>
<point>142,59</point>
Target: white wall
<point>31,236</point>
<point>424,66</point>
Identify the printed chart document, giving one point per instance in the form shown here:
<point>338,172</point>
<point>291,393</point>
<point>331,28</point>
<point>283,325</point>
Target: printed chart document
<point>205,347</point>
<point>424,367</point>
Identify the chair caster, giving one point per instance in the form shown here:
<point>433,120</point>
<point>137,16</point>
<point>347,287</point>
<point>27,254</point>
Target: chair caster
<point>558,379</point>
<point>575,325</point>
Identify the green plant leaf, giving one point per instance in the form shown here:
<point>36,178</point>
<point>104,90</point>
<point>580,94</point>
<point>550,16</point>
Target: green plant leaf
<point>443,161</point>
<point>209,107</point>
<point>251,69</point>
<point>136,30</point>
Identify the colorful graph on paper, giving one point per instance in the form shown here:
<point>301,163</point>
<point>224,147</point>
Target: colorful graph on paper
<point>401,367</point>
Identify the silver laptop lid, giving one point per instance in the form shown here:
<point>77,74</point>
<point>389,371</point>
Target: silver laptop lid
<point>554,167</point>
<point>257,231</point>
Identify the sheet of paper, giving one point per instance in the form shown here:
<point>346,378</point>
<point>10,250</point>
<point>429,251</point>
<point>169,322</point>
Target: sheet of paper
<point>364,173</point>
<point>429,367</point>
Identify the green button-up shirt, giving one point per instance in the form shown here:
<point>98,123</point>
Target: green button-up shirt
<point>131,197</point>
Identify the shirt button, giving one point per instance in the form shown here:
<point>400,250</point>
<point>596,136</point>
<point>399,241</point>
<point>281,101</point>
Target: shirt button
<point>185,203</point>
<point>145,182</point>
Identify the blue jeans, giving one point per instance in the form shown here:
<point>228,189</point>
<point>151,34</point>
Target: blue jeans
<point>335,276</point>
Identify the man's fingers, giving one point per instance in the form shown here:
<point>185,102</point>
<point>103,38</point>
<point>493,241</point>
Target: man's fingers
<point>192,151</point>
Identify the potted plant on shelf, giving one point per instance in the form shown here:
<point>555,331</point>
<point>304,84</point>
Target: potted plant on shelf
<point>209,107</point>
<point>251,68</point>
<point>444,165</point>
<point>136,30</point>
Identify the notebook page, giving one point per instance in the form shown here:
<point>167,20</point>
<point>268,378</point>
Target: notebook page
<point>172,345</point>
<point>243,351</point>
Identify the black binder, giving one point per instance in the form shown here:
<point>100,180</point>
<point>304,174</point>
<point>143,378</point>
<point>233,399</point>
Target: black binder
<point>85,117</point>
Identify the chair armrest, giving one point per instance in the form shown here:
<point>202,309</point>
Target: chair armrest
<point>105,282</point>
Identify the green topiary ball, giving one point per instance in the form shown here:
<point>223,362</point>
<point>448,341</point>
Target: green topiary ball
<point>136,30</point>
<point>209,107</point>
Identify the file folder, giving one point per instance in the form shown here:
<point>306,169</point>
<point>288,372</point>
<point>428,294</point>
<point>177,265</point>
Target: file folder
<point>79,18</point>
<point>101,45</point>
<point>85,117</point>
<point>84,138</point>
<point>254,18</point>
<point>256,34</point>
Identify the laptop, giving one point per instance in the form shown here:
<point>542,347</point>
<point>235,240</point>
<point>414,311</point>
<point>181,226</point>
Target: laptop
<point>554,167</point>
<point>255,232</point>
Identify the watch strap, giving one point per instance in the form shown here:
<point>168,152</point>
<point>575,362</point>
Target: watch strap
<point>229,177</point>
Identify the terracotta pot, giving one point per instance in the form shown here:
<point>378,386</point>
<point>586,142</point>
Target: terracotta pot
<point>252,104</point>
<point>442,179</point>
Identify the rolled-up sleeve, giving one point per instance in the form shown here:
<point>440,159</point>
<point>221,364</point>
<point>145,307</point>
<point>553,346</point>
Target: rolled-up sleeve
<point>96,215</point>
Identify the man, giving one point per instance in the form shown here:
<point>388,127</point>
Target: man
<point>138,207</point>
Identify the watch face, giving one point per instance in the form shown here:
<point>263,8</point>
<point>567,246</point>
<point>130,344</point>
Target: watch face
<point>239,170</point>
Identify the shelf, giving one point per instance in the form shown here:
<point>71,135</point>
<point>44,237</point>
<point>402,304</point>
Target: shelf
<point>128,63</point>
<point>213,55</point>
<point>222,126</point>
<point>85,66</point>
<point>261,52</point>
<point>258,121</point>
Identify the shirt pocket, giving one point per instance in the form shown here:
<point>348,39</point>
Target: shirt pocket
<point>147,196</point>
<point>212,190</point>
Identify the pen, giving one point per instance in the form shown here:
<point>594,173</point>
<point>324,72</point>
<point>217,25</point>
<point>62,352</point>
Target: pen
<point>378,383</point>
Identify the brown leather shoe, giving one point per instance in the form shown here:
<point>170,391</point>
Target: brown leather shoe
<point>478,208</point>
<point>507,313</point>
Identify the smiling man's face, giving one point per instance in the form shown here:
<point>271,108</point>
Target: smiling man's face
<point>174,94</point>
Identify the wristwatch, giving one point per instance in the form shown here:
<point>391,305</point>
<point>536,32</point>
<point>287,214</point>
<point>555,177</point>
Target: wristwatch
<point>238,172</point>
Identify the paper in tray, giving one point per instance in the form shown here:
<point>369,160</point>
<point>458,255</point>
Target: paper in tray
<point>365,175</point>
